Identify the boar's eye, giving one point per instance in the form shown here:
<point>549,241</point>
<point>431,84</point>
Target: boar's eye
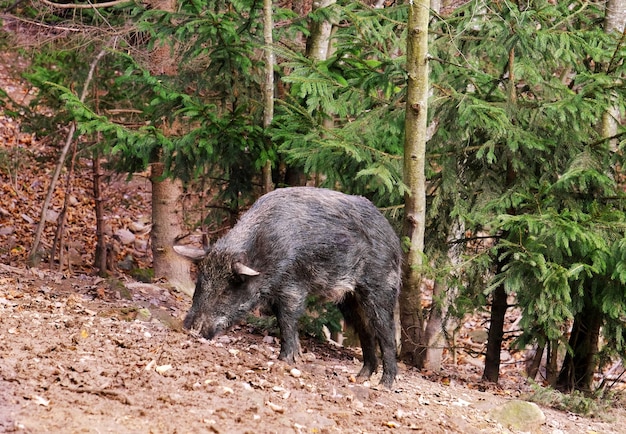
<point>236,280</point>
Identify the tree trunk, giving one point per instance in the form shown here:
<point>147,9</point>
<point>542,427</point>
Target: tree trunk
<point>434,337</point>
<point>581,361</point>
<point>414,343</point>
<point>552,363</point>
<point>614,21</point>
<point>167,224</point>
<point>268,91</point>
<point>496,333</point>
<point>615,16</point>
<point>100,261</point>
<point>318,43</point>
<point>533,365</point>
<point>167,212</point>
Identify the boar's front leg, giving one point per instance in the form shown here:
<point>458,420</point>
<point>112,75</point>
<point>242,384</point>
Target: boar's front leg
<point>288,307</point>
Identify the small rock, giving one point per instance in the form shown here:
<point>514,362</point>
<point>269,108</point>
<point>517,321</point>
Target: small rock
<point>295,373</point>
<point>400,414</point>
<point>139,227</point>
<point>27,218</point>
<point>308,357</point>
<point>125,236</point>
<point>163,369</point>
<point>51,216</point>
<point>275,407</point>
<point>41,401</point>
<point>223,339</point>
<point>143,314</point>
<point>519,416</point>
<point>479,336</point>
<point>7,230</point>
<point>141,245</point>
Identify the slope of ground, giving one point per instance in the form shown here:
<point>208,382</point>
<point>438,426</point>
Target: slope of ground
<point>89,355</point>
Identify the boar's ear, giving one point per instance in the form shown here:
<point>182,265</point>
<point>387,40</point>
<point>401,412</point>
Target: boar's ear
<point>190,252</point>
<point>244,270</point>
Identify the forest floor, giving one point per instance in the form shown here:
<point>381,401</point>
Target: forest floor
<point>79,353</point>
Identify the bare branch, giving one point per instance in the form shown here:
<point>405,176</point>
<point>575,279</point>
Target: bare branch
<point>85,6</point>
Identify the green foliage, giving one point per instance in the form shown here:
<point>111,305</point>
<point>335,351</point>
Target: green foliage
<point>522,161</point>
<point>575,402</point>
<point>203,121</point>
<point>318,316</point>
<point>360,90</point>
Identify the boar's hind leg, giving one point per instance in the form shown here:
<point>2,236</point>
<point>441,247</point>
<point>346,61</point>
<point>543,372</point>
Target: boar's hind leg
<point>352,314</point>
<point>287,315</point>
<point>374,322</point>
<point>386,333</point>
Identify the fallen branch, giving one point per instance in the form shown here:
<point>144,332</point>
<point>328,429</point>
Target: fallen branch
<point>106,393</point>
<point>85,6</point>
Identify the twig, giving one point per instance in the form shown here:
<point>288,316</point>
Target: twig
<point>114,394</point>
<point>85,6</point>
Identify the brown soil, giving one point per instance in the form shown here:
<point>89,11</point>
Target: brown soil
<point>77,356</point>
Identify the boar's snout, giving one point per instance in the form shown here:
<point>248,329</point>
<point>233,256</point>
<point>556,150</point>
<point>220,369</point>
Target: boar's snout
<point>200,325</point>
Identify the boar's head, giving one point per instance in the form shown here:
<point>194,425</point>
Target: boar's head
<point>225,292</point>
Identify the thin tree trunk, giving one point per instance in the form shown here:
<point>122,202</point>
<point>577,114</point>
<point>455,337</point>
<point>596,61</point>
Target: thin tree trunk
<point>496,333</point>
<point>552,363</point>
<point>57,245</point>
<point>499,303</point>
<point>532,367</point>
<point>318,43</point>
<point>167,211</point>
<point>412,318</point>
<point>35,256</point>
<point>100,261</point>
<point>434,337</point>
<point>268,91</point>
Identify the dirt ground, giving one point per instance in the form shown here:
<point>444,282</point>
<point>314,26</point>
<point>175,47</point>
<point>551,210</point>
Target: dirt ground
<point>86,355</point>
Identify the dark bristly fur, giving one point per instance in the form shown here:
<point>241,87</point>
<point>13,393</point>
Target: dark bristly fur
<point>299,241</point>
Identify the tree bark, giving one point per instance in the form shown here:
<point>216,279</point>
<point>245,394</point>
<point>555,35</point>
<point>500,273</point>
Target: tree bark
<point>533,365</point>
<point>552,363</point>
<point>614,21</point>
<point>167,211</point>
<point>412,319</point>
<point>167,226</point>
<point>581,362</point>
<point>268,91</point>
<point>318,43</point>
<point>496,334</point>
<point>100,261</point>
